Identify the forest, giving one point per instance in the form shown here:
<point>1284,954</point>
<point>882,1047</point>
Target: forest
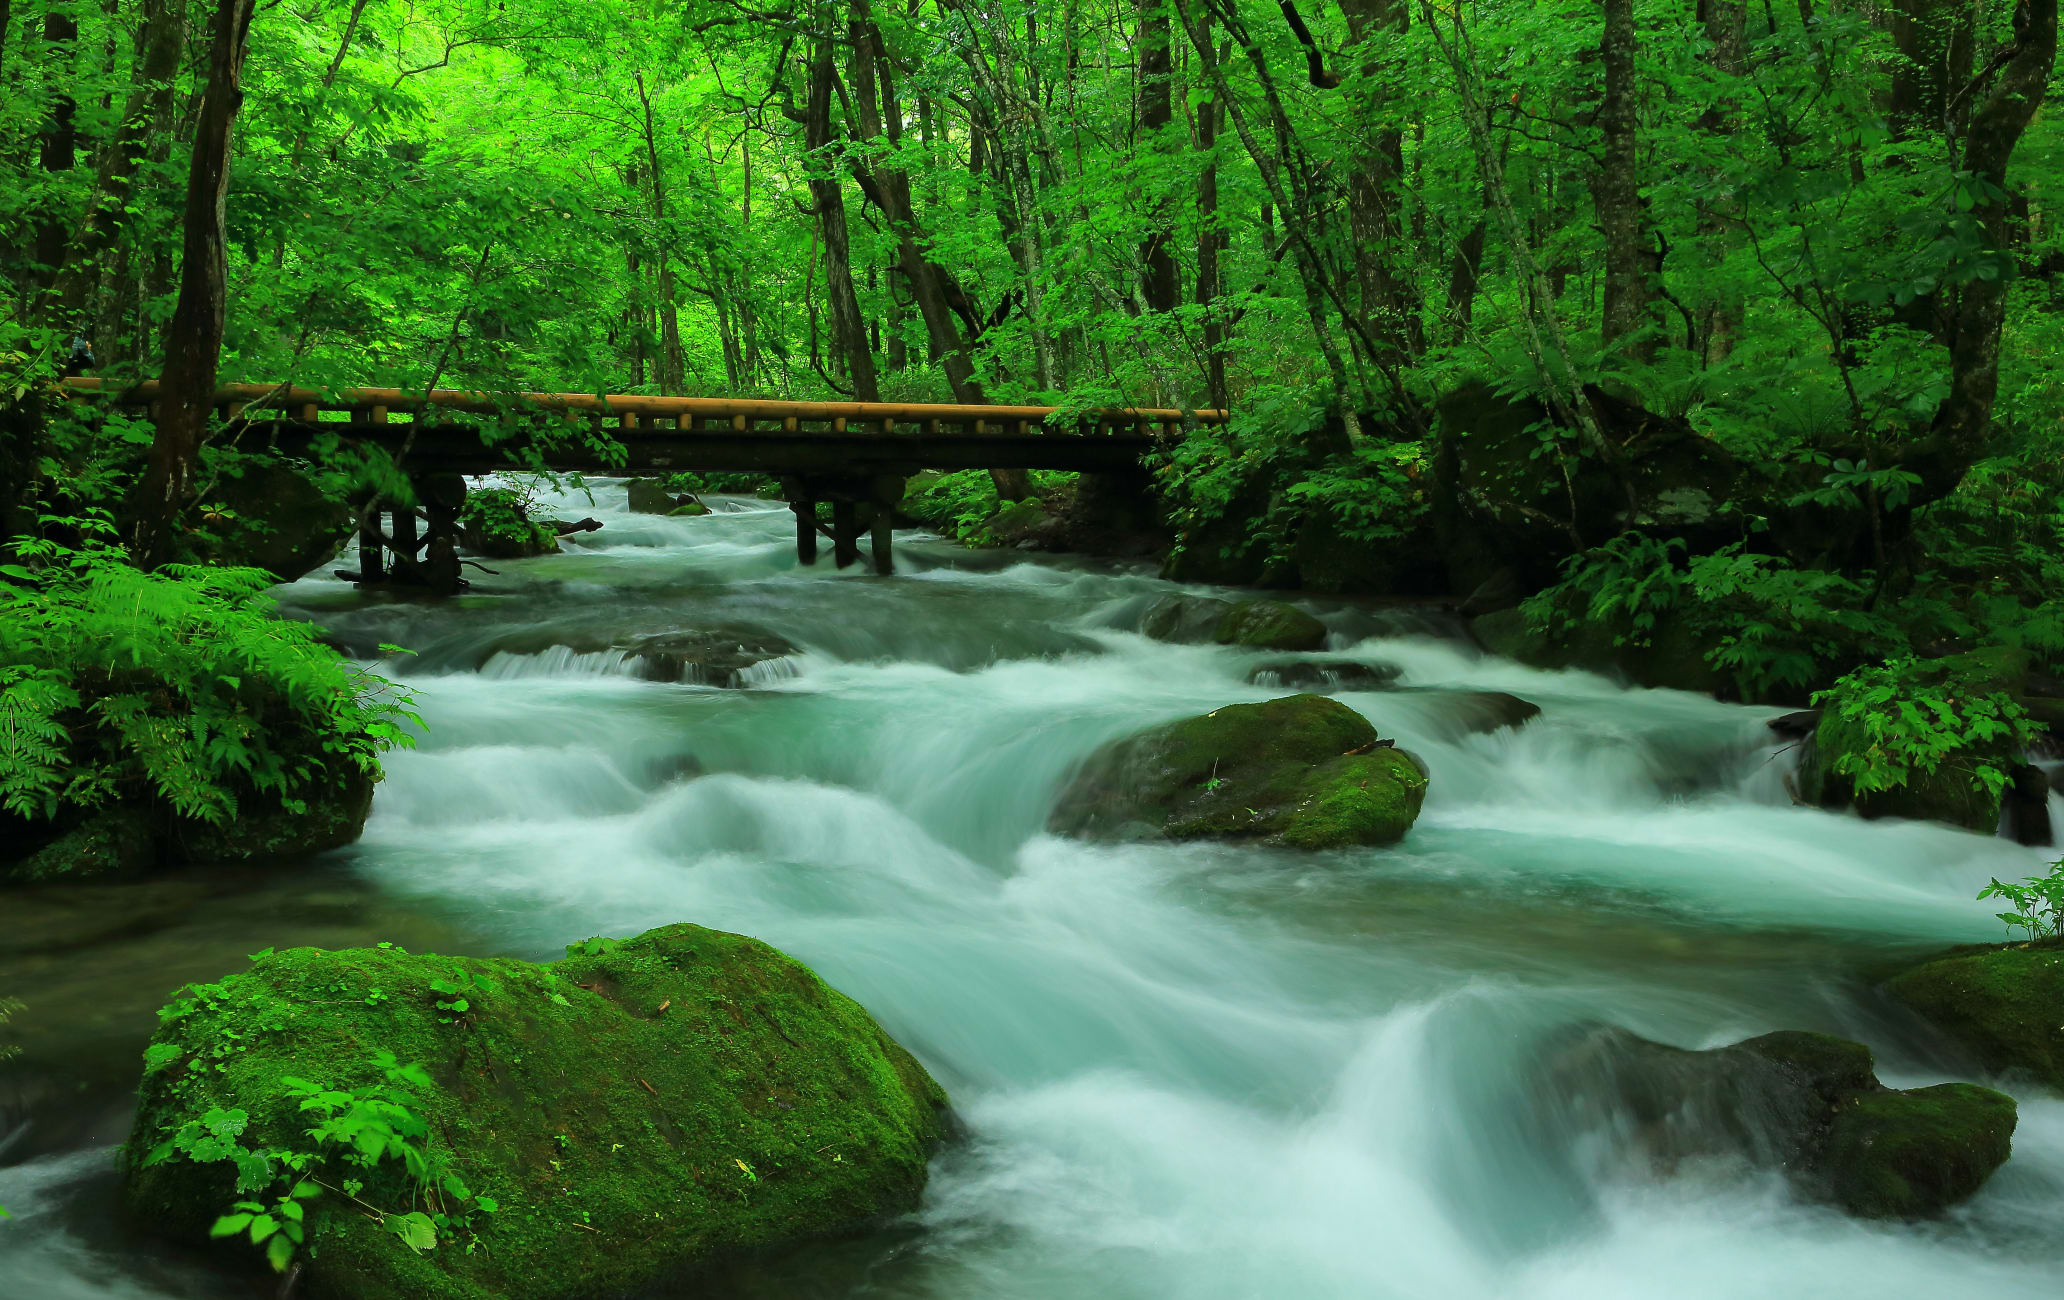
<point>1485,571</point>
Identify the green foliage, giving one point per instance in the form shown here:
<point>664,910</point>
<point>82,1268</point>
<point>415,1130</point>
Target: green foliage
<point>1914,721</point>
<point>2038,902</point>
<point>177,686</point>
<point>356,1139</point>
<point>497,520</point>
<point>689,483</point>
<point>961,504</point>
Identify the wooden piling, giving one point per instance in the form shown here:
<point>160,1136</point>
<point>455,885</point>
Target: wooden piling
<point>845,532</point>
<point>805,531</point>
<point>883,541</point>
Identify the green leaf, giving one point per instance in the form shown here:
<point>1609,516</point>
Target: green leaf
<point>230,1224</point>
<point>415,1230</point>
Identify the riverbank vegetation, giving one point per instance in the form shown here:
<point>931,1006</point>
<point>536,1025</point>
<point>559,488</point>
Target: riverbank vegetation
<point>1713,346</point>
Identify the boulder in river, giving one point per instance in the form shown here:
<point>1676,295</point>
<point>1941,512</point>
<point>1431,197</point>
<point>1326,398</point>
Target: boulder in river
<point>1807,1104</point>
<point>1262,624</point>
<point>2004,1003</point>
<point>1481,713</point>
<point>496,523</point>
<point>651,496</point>
<point>1323,675</point>
<point>601,1125</point>
<point>711,657</point>
<point>1305,771</point>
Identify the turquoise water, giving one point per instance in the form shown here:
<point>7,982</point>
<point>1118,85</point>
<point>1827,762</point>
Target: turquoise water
<point>1191,1071</point>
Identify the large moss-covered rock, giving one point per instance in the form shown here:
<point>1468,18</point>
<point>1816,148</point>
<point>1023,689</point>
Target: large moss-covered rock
<point>496,523</point>
<point>1261,624</point>
<point>1304,770</point>
<point>651,496</point>
<point>639,1111</point>
<point>275,516</point>
<point>327,813</point>
<point>106,844</point>
<point>2004,1003</point>
<point>1807,1104</point>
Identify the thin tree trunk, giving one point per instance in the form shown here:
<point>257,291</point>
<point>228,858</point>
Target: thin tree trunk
<point>847,336</point>
<point>1211,243</point>
<point>1156,111</point>
<point>194,339</point>
<point>57,140</point>
<point>671,364</point>
<point>1726,23</point>
<point>1375,198</point>
<point>1616,189</point>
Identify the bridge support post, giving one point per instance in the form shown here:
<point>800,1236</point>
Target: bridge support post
<point>372,561</point>
<point>805,530</point>
<point>443,497</point>
<point>883,541</point>
<point>845,531</point>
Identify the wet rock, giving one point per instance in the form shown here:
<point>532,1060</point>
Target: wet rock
<point>496,523</point>
<point>331,813</point>
<point>108,843</point>
<point>1807,1104</point>
<point>688,509</point>
<point>276,517</point>
<point>2028,806</point>
<point>1480,713</point>
<point>1018,525</point>
<point>1303,771</point>
<point>1185,620</point>
<point>650,496</point>
<point>716,657</point>
<point>1270,625</point>
<point>687,1096</point>
<point>1796,725</point>
<point>2003,1003</point>
<point>1323,675</point>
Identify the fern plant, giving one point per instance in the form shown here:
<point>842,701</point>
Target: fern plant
<point>178,686</point>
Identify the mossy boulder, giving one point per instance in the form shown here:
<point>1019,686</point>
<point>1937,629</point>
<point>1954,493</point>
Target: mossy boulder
<point>709,657</point>
<point>688,510</point>
<point>1323,675</point>
<point>109,843</point>
<point>639,1111</point>
<point>496,523</point>
<point>2004,1003</point>
<point>1807,1104</point>
<point>275,516</point>
<point>1261,624</point>
<point>1303,771</point>
<point>651,496</point>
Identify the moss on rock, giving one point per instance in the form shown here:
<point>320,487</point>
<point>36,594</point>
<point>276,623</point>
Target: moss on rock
<point>496,523</point>
<point>2005,1003</point>
<point>640,1110</point>
<point>1270,625</point>
<point>1304,771</point>
<point>1804,1103</point>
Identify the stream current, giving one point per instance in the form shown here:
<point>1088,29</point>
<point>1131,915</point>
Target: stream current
<point>1196,1071</point>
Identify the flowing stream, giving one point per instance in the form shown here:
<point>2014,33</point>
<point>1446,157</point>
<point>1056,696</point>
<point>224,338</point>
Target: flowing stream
<point>1197,1071</point>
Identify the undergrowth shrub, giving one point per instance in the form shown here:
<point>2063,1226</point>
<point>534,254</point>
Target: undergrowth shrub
<point>178,687</point>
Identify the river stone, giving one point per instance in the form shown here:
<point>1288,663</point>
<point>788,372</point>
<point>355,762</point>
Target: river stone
<point>649,496</point>
<point>716,657</point>
<point>277,519</point>
<point>1481,713</point>
<point>331,813</point>
<point>1804,1103</point>
<point>1323,675</point>
<point>1270,625</point>
<point>1185,620</point>
<point>686,1097</point>
<point>1304,771</point>
<point>497,524</point>
<point>2004,1003</point>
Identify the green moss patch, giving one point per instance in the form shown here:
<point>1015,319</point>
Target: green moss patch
<point>1304,771</point>
<point>637,1111</point>
<point>2005,1004</point>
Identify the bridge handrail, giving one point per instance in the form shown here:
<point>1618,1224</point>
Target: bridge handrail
<point>305,401</point>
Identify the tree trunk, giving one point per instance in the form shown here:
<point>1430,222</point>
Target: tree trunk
<point>1726,23</point>
<point>161,43</point>
<point>1616,190</point>
<point>57,140</point>
<point>1935,40</point>
<point>186,394</point>
<point>1211,244</point>
<point>1375,199</point>
<point>1978,311</point>
<point>1156,111</point>
<point>671,365</point>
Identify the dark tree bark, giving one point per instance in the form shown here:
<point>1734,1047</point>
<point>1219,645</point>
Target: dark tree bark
<point>671,367</point>
<point>1156,111</point>
<point>58,139</point>
<point>1616,188</point>
<point>887,186</point>
<point>1211,245</point>
<point>1726,24</point>
<point>1935,40</point>
<point>161,44</point>
<point>848,335</point>
<point>1375,201</point>
<point>1977,310</point>
<point>193,349</point>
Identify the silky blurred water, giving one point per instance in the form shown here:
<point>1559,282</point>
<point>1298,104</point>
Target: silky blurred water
<point>1192,1071</point>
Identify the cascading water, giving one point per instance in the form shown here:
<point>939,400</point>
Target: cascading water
<point>1190,1071</point>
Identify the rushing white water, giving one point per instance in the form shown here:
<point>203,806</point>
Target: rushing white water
<point>1189,1071</point>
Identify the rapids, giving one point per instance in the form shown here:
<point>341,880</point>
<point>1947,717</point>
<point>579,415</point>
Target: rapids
<point>1203,1072</point>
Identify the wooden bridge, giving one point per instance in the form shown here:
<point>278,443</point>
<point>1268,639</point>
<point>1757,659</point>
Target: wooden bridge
<point>853,455</point>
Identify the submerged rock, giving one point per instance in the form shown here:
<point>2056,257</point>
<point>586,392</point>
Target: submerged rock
<point>1262,624</point>
<point>717,657</point>
<point>623,1118</point>
<point>1305,771</point>
<point>1480,713</point>
<point>1807,1104</point>
<point>651,496</point>
<point>1324,674</point>
<point>2004,1003</point>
